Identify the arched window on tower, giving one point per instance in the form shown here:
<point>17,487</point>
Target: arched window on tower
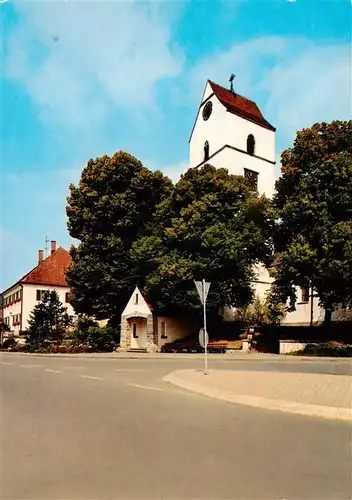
<point>250,144</point>
<point>206,151</point>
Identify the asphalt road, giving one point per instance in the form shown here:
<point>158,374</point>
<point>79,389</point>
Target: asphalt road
<point>112,429</point>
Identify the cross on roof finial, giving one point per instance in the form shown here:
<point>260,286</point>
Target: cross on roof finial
<point>231,82</point>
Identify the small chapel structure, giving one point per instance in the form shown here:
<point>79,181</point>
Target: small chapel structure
<point>143,330</point>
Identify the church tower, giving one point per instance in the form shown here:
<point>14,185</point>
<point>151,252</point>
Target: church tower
<point>231,132</point>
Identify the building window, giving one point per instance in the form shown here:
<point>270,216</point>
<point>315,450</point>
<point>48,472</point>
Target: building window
<point>136,299</point>
<point>163,330</point>
<point>67,297</point>
<point>250,144</point>
<point>304,294</point>
<point>206,151</point>
<point>252,179</point>
<point>40,294</point>
<point>134,330</point>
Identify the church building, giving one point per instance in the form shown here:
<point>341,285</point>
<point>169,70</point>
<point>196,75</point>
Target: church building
<point>231,132</point>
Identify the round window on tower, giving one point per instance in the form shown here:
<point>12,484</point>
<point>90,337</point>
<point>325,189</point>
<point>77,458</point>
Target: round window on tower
<point>208,108</point>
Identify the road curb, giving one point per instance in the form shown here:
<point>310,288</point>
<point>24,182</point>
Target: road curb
<point>260,357</point>
<point>328,412</point>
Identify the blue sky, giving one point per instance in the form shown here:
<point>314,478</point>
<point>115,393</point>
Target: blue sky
<point>81,79</point>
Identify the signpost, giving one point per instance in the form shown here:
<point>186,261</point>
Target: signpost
<point>203,337</point>
<point>203,289</point>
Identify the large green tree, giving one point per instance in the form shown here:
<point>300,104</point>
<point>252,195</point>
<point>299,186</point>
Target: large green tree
<point>212,226</point>
<point>313,235</point>
<point>110,208</point>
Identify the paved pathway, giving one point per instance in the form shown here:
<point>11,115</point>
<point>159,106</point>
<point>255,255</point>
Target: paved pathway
<point>322,395</point>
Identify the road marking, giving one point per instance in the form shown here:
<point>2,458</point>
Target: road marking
<point>127,370</point>
<point>146,387</point>
<point>36,366</point>
<point>6,363</point>
<point>91,377</point>
<point>52,371</point>
<point>74,367</point>
<point>25,366</point>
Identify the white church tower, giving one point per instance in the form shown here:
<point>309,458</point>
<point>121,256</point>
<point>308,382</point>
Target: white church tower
<point>230,132</point>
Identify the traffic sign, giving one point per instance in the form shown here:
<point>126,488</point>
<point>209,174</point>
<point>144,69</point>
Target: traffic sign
<point>202,289</point>
<point>203,338</point>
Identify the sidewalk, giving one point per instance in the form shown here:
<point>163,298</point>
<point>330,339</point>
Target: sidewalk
<point>319,395</point>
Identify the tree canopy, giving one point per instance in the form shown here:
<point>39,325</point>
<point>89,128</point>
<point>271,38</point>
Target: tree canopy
<point>213,227</point>
<point>313,203</point>
<point>136,228</point>
<point>112,205</point>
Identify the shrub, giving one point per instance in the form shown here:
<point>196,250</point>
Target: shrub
<point>82,326</point>
<point>102,339</point>
<point>333,348</point>
<point>8,343</point>
<point>261,312</point>
<point>70,349</point>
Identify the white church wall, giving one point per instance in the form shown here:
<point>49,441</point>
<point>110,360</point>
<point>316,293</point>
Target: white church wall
<point>302,314</point>
<point>262,281</point>
<point>235,162</point>
<point>207,92</point>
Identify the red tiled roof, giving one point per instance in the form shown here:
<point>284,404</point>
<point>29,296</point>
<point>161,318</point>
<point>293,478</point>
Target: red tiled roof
<point>52,271</point>
<point>240,105</point>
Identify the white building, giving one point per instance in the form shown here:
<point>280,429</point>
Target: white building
<point>231,132</point>
<point>49,274</point>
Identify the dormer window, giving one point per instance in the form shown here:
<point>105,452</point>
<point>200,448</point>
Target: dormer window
<point>250,144</point>
<point>206,151</point>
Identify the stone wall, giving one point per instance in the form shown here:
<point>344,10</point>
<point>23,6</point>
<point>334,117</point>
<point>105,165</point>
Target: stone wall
<point>125,336</point>
<point>287,346</point>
